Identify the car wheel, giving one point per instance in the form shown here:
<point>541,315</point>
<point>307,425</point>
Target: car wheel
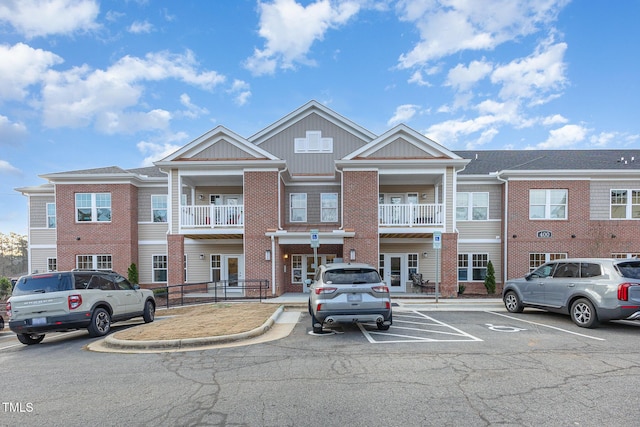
<point>512,302</point>
<point>100,323</point>
<point>30,339</point>
<point>383,327</point>
<point>583,313</point>
<point>149,312</point>
<point>1,323</point>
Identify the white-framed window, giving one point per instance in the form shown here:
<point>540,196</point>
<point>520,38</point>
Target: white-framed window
<point>548,204</point>
<point>622,255</point>
<point>313,143</point>
<point>159,269</point>
<point>94,262</point>
<point>625,204</point>
<point>216,268</point>
<point>472,267</point>
<point>296,268</point>
<point>184,266</point>
<point>472,206</point>
<point>51,216</point>
<point>159,208</point>
<point>52,264</point>
<point>412,263</point>
<point>329,207</point>
<point>536,259</point>
<point>298,207</point>
<point>93,207</point>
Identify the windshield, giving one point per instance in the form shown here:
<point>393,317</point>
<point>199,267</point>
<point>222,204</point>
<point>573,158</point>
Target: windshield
<point>42,284</point>
<point>629,269</point>
<point>345,276</point>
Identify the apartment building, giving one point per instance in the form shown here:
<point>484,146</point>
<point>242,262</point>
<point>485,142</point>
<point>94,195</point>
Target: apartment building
<point>227,208</point>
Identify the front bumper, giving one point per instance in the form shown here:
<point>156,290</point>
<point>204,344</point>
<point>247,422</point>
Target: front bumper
<point>52,324</point>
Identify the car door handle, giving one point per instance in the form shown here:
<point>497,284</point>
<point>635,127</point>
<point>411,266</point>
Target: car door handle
<point>571,285</point>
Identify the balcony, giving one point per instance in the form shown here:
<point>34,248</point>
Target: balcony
<point>410,215</point>
<point>212,216</point>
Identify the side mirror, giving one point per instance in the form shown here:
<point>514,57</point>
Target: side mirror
<point>136,287</point>
<point>307,282</point>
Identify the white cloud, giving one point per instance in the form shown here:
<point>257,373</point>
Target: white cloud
<point>192,111</point>
<point>34,18</point>
<point>11,133</point>
<point>140,27</point>
<point>447,27</point>
<point>158,150</point>
<point>22,66</point>
<point>620,139</point>
<point>403,114</point>
<point>554,120</point>
<point>290,29</point>
<point>417,78</point>
<point>462,78</point>
<point>241,91</point>
<point>7,168</point>
<point>110,97</point>
<point>564,137</point>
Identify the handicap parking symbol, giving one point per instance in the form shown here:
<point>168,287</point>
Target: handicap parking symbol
<point>502,328</point>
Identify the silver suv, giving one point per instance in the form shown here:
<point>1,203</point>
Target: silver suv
<point>348,293</point>
<point>62,301</point>
<point>590,290</point>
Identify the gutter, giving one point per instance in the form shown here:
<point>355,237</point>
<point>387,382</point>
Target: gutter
<point>506,223</point>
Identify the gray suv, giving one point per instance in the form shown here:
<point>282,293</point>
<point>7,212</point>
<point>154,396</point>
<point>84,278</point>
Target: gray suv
<point>61,301</point>
<point>590,290</point>
<point>348,293</point>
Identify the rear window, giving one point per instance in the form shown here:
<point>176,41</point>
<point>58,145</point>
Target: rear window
<point>629,269</point>
<point>346,276</point>
<point>42,284</point>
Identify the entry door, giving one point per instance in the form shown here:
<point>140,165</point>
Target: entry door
<point>228,269</point>
<point>394,272</point>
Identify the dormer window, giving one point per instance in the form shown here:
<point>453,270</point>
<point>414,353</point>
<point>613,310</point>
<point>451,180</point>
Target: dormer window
<point>313,143</point>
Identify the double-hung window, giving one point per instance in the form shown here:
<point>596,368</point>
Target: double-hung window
<point>160,268</point>
<point>298,207</point>
<point>94,262</point>
<point>548,204</point>
<point>159,208</point>
<point>537,259</point>
<point>472,206</point>
<point>625,204</point>
<point>329,207</point>
<point>472,267</point>
<point>93,207</point>
<point>51,216</point>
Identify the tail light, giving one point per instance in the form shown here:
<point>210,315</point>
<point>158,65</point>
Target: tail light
<point>623,291</point>
<point>381,288</point>
<point>325,290</point>
<point>75,301</point>
<point>8,309</point>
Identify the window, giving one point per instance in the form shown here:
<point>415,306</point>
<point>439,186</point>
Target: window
<point>159,269</point>
<point>472,206</point>
<point>159,208</point>
<point>313,143</point>
<point>94,262</point>
<point>537,259</point>
<point>625,255</point>
<point>412,263</point>
<point>93,207</point>
<point>184,266</point>
<point>625,204</point>
<point>547,204</point>
<point>477,270</point>
<point>296,268</point>
<point>51,216</point>
<point>52,264</point>
<point>329,207</point>
<point>298,211</point>
<point>216,268</point>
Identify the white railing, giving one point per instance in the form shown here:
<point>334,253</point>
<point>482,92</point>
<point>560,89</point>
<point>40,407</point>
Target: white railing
<point>410,215</point>
<point>212,216</point>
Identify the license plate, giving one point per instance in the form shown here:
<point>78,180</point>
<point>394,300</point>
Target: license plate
<point>37,321</point>
<point>354,297</point>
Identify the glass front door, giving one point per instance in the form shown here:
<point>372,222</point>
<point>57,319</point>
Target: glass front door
<point>393,270</point>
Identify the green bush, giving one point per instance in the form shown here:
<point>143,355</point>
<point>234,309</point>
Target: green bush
<point>132,274</point>
<point>5,287</point>
<point>490,279</point>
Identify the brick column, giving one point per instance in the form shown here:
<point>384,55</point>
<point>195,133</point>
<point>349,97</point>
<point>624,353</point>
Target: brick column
<point>449,265</point>
<point>175,259</point>
<point>360,210</point>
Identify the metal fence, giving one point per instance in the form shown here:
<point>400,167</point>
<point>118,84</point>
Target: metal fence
<point>204,292</point>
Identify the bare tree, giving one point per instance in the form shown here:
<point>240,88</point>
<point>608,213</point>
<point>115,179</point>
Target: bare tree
<point>13,254</point>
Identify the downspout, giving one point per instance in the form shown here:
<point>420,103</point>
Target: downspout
<point>273,265</point>
<point>506,223</point>
<point>455,220</point>
<point>280,197</point>
<point>341,198</point>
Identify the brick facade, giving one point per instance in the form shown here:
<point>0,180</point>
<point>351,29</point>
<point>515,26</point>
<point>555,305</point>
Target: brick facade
<point>360,207</point>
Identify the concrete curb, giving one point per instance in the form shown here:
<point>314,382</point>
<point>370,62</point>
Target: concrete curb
<point>115,343</point>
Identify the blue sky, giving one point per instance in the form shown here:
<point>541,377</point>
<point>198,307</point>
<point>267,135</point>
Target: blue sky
<point>91,83</point>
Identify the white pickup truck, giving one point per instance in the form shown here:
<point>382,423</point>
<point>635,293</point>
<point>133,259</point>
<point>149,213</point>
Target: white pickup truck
<point>67,300</point>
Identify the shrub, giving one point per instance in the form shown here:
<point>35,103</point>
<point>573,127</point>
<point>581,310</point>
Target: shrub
<point>490,279</point>
<point>5,287</point>
<point>132,274</point>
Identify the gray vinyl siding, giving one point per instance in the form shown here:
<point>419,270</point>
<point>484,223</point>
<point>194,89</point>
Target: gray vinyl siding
<point>38,210</point>
<point>144,202</point>
<point>282,146</point>
<point>495,196</point>
<point>153,231</point>
<point>39,259</point>
<point>145,261</point>
<point>43,236</point>
<point>600,197</point>
<point>200,270</point>
<point>479,229</point>
<point>494,251</point>
<point>222,150</point>
<point>174,201</point>
<point>426,266</point>
<point>313,202</point>
<point>428,190</point>
<point>399,149</point>
<point>449,208</point>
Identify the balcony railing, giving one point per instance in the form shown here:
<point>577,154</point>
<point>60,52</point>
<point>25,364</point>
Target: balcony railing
<point>410,215</point>
<point>212,216</point>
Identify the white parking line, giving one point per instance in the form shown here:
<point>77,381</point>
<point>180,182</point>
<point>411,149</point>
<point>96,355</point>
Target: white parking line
<point>546,326</point>
<point>405,322</point>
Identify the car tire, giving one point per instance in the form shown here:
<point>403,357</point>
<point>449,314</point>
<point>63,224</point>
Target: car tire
<point>583,313</point>
<point>1,323</point>
<point>149,312</point>
<point>512,303</point>
<point>100,323</point>
<point>30,339</point>
<point>383,327</point>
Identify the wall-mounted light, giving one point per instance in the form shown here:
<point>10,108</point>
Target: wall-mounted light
<point>423,195</point>
<point>201,197</point>
<point>613,236</point>
<point>425,254</point>
<point>515,235</point>
<point>78,238</point>
<point>286,256</point>
<point>573,236</point>
<point>352,254</point>
<point>267,255</point>
<point>202,257</point>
